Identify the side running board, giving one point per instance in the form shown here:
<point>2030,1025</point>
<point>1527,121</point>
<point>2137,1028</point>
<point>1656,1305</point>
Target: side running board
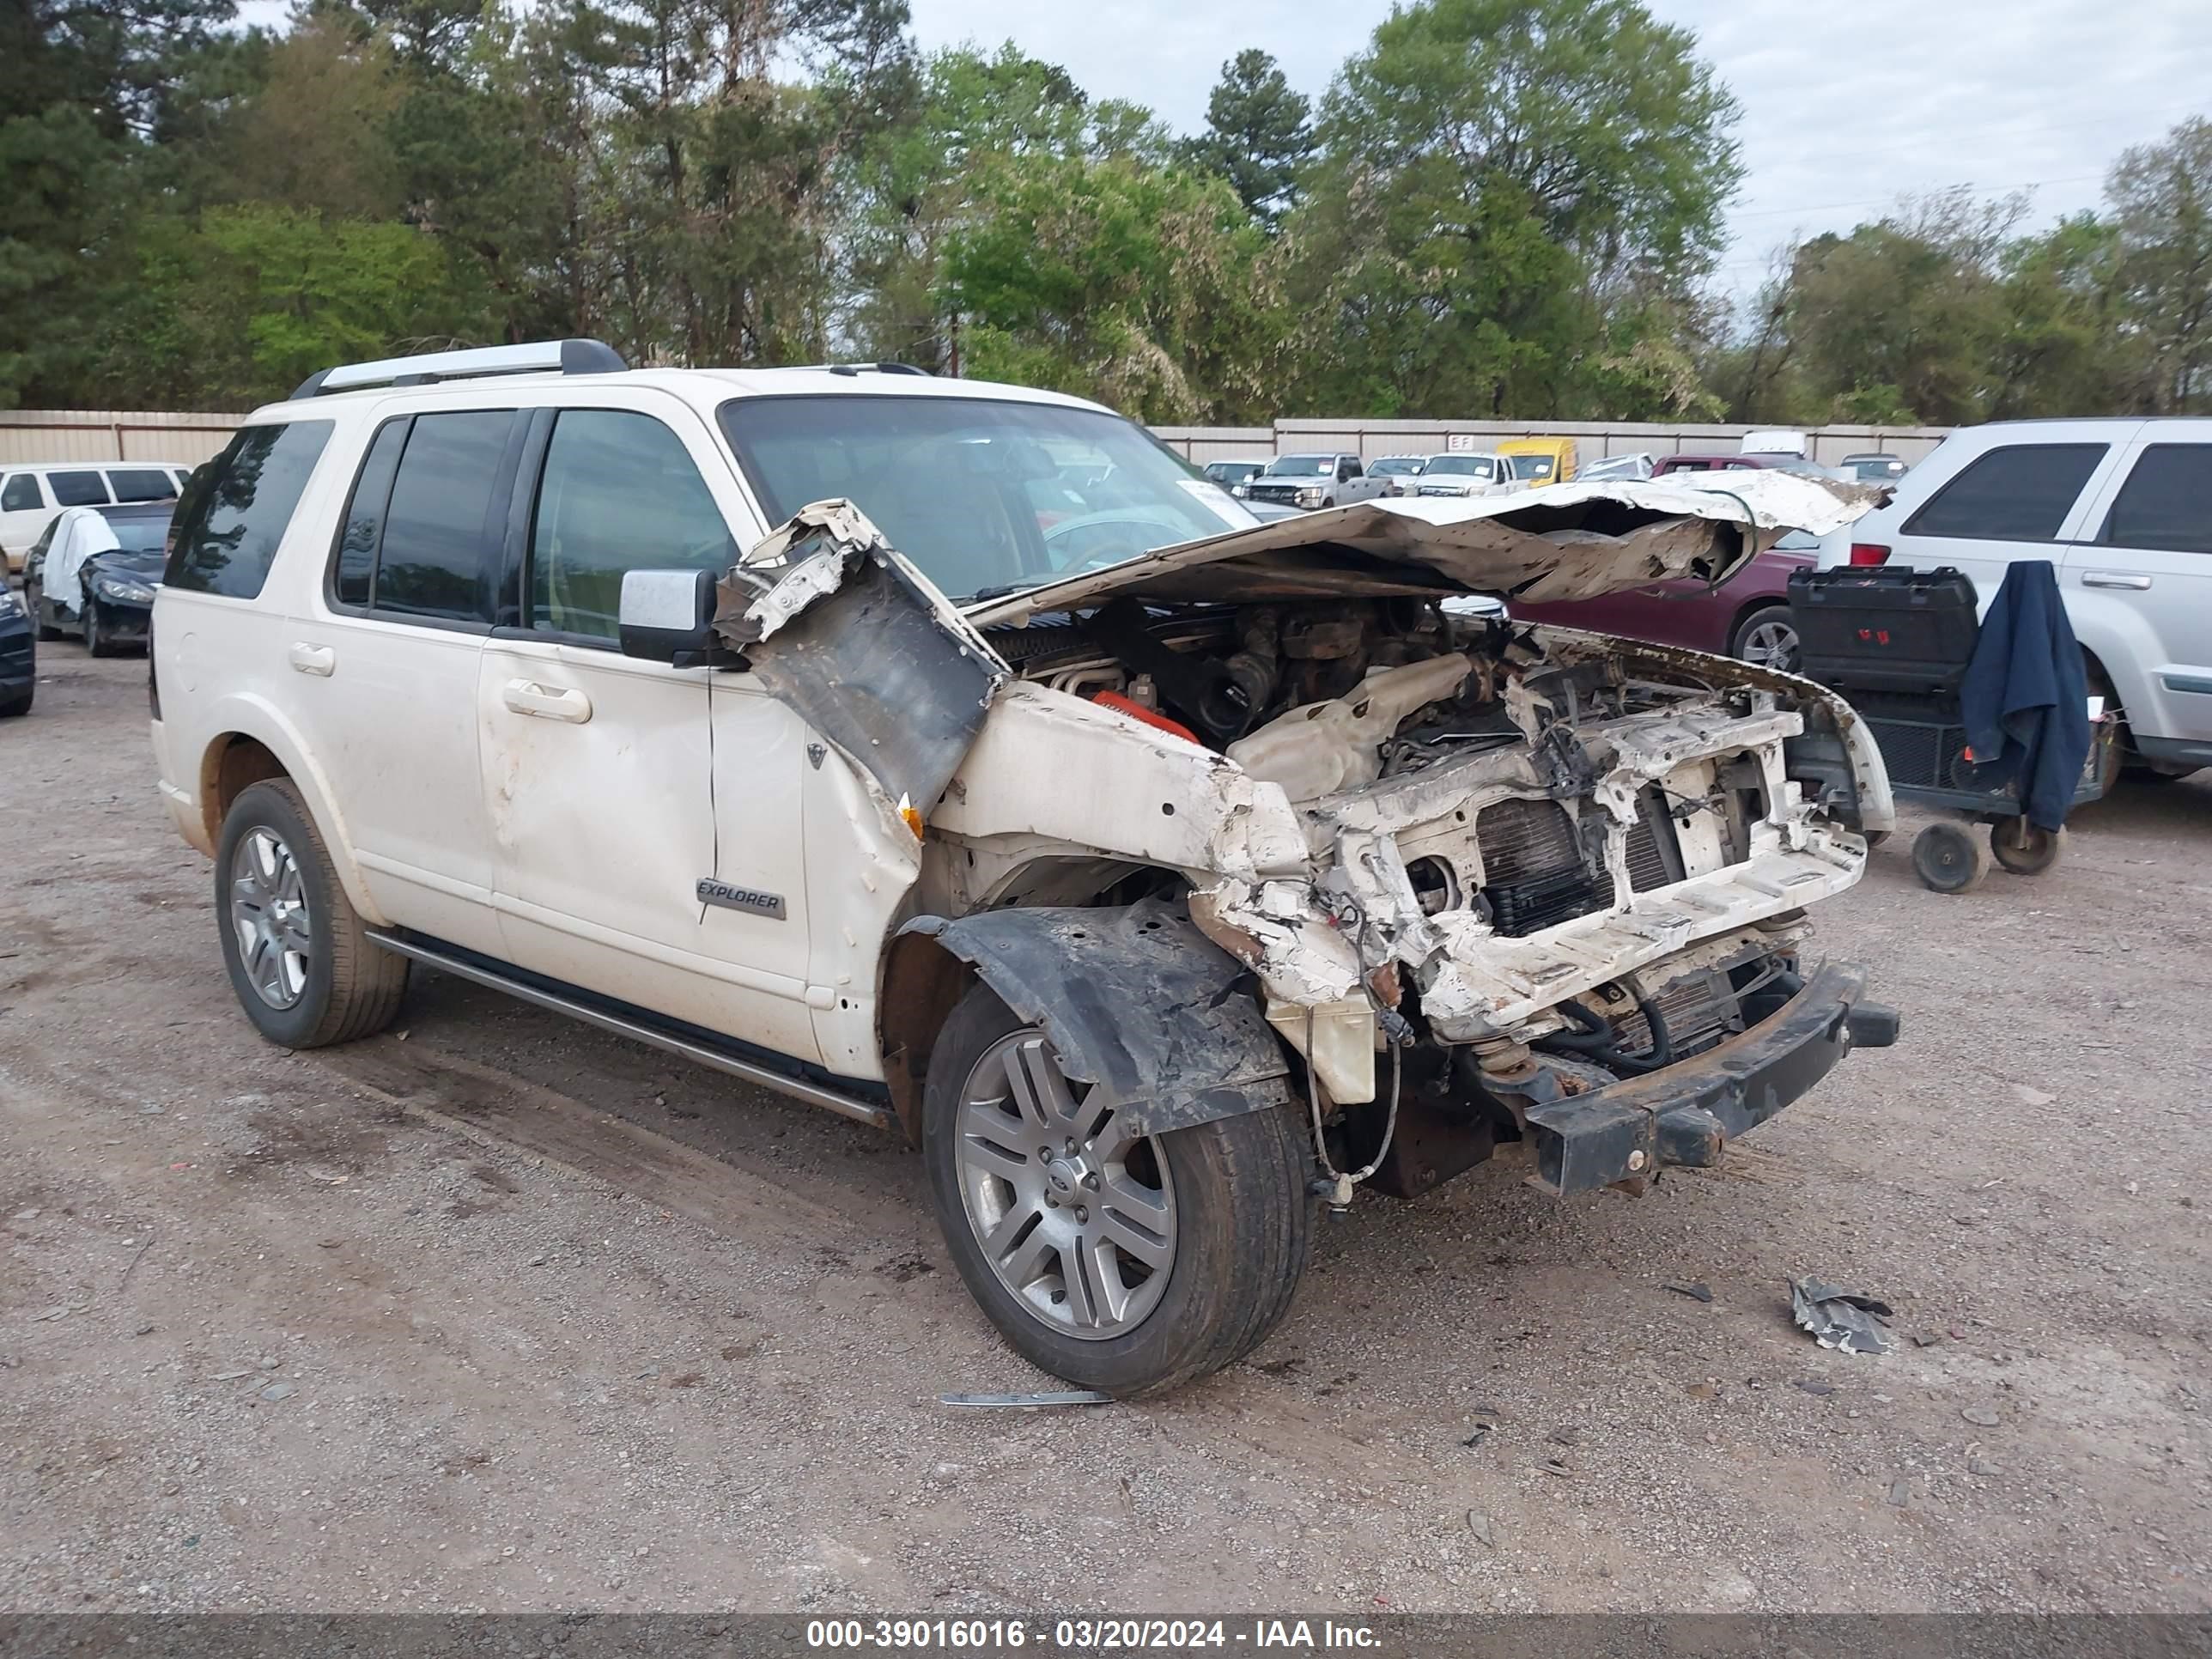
<point>701,1050</point>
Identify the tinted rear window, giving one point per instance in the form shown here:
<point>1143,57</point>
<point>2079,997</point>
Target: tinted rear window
<point>229,532</point>
<point>438,537</point>
<point>141,483</point>
<point>2167,502</point>
<point>77,488</point>
<point>2021,493</point>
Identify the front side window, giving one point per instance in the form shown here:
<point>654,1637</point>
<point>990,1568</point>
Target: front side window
<point>987,495</point>
<point>439,544</point>
<point>20,493</point>
<point>618,492</point>
<point>227,534</point>
<point>2167,503</point>
<point>141,483</point>
<point>2020,493</point>
<point>77,488</point>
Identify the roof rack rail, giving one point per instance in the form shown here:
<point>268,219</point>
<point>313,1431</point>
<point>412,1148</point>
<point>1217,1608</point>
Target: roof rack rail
<point>428,368</point>
<point>869,369</point>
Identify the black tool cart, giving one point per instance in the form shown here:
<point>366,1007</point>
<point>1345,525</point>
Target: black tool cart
<point>1896,642</point>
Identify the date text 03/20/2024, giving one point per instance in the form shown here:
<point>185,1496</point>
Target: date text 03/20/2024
<point>1103,1634</point>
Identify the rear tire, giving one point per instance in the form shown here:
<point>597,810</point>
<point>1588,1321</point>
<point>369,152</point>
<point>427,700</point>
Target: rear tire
<point>1236,1216</point>
<point>298,957</point>
<point>19,705</point>
<point>1948,859</point>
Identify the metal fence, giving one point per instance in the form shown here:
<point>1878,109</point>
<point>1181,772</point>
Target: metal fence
<point>1371,439</point>
<point>35,436</point>
<point>101,435</point>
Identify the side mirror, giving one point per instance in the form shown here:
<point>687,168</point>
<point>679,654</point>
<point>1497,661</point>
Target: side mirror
<point>668,616</point>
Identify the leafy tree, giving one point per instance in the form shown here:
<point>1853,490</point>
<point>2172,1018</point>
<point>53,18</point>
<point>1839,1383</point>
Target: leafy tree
<point>2161,199</point>
<point>1497,179</point>
<point>1141,286</point>
<point>1259,134</point>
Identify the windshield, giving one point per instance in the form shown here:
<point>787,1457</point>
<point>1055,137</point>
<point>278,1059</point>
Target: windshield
<point>1301,467</point>
<point>139,535</point>
<point>1395,466</point>
<point>1532,466</point>
<point>985,496</point>
<point>1471,465</point>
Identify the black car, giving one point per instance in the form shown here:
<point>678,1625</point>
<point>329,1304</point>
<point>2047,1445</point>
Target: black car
<point>109,597</point>
<point>19,654</point>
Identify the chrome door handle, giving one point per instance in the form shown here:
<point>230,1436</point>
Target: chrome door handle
<point>318,660</point>
<point>547,702</point>
<point>2127,579</point>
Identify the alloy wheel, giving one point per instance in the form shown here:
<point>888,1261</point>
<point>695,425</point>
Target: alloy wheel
<point>1773,645</point>
<point>269,916</point>
<point>1076,1217</point>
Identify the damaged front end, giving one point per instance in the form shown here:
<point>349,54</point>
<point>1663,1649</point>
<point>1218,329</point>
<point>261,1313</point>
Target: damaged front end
<point>1464,882</point>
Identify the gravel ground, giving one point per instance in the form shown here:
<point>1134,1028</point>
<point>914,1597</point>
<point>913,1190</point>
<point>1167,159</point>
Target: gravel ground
<point>496,1312</point>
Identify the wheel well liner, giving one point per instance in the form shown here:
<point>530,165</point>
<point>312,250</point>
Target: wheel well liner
<point>232,764</point>
<point>1137,1001</point>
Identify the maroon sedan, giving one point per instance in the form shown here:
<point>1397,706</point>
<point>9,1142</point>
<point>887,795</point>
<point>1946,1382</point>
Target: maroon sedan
<point>1747,616</point>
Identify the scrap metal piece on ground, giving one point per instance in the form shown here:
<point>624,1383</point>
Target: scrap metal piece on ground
<point>1838,1318</point>
<point>1700,1291</point>
<point>1030,1402</point>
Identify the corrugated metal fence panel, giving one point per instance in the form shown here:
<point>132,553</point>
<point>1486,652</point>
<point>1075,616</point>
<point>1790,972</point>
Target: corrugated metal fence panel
<point>100,435</point>
<point>36,435</point>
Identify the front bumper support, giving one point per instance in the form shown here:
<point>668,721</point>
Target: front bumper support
<point>1687,1113</point>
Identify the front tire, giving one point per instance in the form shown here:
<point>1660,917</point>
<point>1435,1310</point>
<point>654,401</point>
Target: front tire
<point>1127,1264</point>
<point>300,960</point>
<point>2024,848</point>
<point>1949,859</point>
<point>96,644</point>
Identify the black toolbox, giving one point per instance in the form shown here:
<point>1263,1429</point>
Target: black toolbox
<point>1879,629</point>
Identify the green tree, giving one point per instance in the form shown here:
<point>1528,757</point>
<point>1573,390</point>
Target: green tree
<point>1141,286</point>
<point>1259,135</point>
<point>2161,200</point>
<point>1510,194</point>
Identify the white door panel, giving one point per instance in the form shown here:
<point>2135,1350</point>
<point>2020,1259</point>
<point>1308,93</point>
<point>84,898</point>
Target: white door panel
<point>413,804</point>
<point>2138,581</point>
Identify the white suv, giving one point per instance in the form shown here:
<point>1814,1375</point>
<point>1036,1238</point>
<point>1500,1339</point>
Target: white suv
<point>1154,894</point>
<point>2124,509</point>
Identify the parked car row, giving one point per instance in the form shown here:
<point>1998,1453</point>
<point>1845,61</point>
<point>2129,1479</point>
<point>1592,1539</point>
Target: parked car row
<point>92,572</point>
<point>31,495</point>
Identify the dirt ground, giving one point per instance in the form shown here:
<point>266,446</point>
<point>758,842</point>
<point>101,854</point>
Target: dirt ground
<point>497,1312</point>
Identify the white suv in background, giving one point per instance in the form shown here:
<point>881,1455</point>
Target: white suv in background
<point>2124,509</point>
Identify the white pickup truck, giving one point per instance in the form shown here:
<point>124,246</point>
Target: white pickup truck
<point>1313,482</point>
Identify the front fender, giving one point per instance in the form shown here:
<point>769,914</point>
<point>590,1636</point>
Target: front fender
<point>1137,1001</point>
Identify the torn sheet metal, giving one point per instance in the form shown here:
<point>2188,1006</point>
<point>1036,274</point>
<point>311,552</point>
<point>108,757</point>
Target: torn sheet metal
<point>1565,542</point>
<point>1201,1051</point>
<point>840,627</point>
<point>1838,1318</point>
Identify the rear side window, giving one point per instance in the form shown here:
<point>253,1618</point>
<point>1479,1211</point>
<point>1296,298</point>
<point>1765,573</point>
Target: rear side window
<point>437,550</point>
<point>2167,503</point>
<point>141,483</point>
<point>619,490</point>
<point>228,533</point>
<point>77,488</point>
<point>2021,493</point>
<point>20,493</point>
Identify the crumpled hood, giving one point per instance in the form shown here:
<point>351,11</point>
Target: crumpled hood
<point>1571,541</point>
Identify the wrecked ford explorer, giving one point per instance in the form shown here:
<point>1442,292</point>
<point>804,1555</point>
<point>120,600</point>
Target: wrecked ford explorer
<point>954,758</point>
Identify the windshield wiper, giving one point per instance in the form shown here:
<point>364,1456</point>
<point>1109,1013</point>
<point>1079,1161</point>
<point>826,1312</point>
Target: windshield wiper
<point>1005,588</point>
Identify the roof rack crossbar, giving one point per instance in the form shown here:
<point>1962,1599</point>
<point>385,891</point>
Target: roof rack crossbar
<point>428,368</point>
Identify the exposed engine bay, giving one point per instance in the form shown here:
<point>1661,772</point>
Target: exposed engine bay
<point>1482,880</point>
<point>1482,809</point>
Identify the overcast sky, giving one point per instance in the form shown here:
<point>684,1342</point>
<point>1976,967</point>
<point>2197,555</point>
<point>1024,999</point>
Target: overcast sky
<point>1844,106</point>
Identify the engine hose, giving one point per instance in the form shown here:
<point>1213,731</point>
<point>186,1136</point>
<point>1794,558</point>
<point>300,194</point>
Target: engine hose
<point>1597,1040</point>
